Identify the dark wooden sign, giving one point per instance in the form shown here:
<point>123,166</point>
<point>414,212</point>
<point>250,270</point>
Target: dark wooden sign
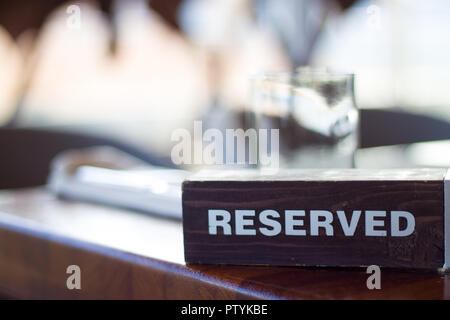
<point>342,217</point>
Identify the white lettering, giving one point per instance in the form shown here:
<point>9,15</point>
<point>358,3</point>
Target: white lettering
<point>349,228</point>
<point>371,223</point>
<point>291,222</point>
<point>276,226</point>
<point>395,223</point>
<point>295,222</point>
<point>316,223</point>
<point>214,222</point>
<point>241,222</point>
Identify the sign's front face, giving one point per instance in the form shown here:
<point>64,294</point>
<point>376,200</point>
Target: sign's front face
<point>395,223</point>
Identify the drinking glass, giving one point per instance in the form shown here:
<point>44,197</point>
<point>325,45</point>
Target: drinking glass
<point>315,112</point>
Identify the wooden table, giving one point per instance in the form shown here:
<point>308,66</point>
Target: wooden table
<point>130,255</point>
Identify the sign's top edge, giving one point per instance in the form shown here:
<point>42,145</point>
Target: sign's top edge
<point>416,174</point>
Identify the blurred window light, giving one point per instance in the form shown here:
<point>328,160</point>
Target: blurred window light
<point>399,50</point>
<point>10,75</point>
<point>156,81</point>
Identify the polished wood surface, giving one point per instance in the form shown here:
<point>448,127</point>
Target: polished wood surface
<point>129,255</point>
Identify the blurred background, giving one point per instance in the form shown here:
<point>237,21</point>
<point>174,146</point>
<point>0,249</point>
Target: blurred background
<point>128,72</point>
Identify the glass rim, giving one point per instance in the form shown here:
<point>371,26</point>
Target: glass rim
<point>301,74</point>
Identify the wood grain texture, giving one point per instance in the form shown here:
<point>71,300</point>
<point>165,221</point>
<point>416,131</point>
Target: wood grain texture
<point>41,235</point>
<point>417,191</point>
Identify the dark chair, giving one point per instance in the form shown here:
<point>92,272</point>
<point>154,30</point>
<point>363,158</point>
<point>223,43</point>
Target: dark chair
<point>390,127</point>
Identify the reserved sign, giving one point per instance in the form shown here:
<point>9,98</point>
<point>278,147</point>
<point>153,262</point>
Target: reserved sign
<point>349,217</point>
